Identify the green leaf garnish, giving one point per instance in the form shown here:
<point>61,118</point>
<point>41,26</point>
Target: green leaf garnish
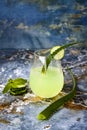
<point>47,112</point>
<point>15,85</point>
<point>19,83</point>
<point>8,86</point>
<point>51,56</point>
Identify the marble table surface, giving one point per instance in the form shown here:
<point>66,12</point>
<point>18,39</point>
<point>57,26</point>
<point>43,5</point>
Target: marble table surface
<point>20,112</point>
<point>27,25</point>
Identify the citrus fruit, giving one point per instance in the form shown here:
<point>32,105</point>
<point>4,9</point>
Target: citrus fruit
<point>59,55</point>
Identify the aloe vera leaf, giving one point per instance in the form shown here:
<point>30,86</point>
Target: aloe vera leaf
<point>47,112</point>
<point>51,56</point>
<point>7,86</point>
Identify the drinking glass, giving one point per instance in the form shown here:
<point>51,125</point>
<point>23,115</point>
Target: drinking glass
<point>49,84</point>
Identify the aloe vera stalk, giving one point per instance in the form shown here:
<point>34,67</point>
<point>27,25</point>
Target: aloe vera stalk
<point>47,112</point>
<point>51,56</point>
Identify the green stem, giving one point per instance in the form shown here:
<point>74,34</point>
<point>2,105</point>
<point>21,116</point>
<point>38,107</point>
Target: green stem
<point>47,112</point>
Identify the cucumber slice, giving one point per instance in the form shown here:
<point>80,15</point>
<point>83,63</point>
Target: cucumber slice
<point>17,89</point>
<point>19,83</point>
<point>16,93</point>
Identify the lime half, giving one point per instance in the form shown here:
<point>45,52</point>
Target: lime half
<point>59,55</point>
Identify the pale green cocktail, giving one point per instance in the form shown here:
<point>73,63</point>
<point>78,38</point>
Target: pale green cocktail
<point>46,85</point>
<point>49,84</point>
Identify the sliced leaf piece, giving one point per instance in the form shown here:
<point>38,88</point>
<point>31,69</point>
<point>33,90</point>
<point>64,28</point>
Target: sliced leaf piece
<point>16,93</point>
<point>47,112</point>
<point>19,83</point>
<point>17,89</point>
<point>7,86</point>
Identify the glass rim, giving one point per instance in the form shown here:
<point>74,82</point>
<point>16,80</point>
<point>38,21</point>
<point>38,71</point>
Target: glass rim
<point>42,52</point>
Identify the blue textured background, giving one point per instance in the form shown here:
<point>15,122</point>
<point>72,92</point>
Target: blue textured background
<point>36,24</point>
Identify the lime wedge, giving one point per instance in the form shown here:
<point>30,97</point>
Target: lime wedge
<point>59,55</point>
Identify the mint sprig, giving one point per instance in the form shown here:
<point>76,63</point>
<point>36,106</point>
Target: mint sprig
<point>47,112</point>
<point>51,56</point>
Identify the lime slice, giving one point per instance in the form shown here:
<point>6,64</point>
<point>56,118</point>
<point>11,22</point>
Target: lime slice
<point>59,55</point>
